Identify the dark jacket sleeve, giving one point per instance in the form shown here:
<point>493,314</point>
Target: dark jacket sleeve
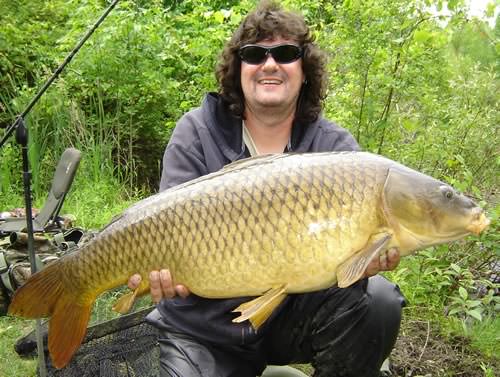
<point>329,137</point>
<point>345,142</point>
<point>183,159</point>
<point>340,139</point>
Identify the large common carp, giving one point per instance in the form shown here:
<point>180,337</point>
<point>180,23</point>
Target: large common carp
<point>265,227</point>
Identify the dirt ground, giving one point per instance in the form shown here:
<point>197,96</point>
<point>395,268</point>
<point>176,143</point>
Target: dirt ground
<point>422,351</point>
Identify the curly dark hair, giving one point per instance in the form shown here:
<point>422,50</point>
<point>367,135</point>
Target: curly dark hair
<point>270,21</point>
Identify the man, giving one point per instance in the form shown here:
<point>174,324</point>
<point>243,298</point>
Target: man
<point>272,80</point>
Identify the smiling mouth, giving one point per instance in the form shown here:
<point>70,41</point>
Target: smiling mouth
<point>270,82</point>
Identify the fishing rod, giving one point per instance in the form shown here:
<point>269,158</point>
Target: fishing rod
<point>22,139</point>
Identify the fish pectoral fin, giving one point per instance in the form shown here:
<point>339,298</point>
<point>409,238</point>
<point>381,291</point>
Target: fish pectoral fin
<point>125,303</point>
<point>353,269</point>
<point>258,310</point>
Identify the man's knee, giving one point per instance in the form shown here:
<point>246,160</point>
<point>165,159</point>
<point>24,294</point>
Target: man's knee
<point>184,357</point>
<point>181,357</point>
<point>356,328</point>
<point>386,301</point>
<point>385,309</point>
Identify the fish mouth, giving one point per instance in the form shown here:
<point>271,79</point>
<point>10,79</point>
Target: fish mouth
<point>422,241</point>
<point>478,225</point>
<point>418,241</point>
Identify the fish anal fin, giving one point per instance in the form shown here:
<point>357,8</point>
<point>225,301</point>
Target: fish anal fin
<point>353,269</point>
<point>125,302</point>
<point>67,327</point>
<point>258,310</point>
<point>256,302</point>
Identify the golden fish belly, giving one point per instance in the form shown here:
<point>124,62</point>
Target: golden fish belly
<point>240,234</point>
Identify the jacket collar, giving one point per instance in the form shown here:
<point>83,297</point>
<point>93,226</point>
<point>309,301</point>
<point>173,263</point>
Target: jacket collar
<point>224,127</point>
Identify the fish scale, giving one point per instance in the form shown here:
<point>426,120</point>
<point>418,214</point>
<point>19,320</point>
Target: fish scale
<point>261,227</point>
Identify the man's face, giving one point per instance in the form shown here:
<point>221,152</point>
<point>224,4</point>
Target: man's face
<point>271,85</point>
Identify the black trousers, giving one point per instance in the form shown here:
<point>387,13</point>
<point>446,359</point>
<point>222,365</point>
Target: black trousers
<point>342,332</point>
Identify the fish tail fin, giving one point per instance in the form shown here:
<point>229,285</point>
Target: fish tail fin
<point>44,294</point>
<point>37,297</point>
<point>67,327</point>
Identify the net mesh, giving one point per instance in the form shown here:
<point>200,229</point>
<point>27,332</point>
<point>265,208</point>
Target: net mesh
<point>123,347</point>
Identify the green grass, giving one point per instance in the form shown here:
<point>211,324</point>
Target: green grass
<point>12,365</point>
<point>426,285</point>
<point>484,335</point>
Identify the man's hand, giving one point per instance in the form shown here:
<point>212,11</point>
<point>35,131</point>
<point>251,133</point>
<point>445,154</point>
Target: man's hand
<point>161,285</point>
<point>385,262</point>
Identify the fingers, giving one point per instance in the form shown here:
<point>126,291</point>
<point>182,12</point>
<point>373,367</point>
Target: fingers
<point>162,286</point>
<point>158,284</point>
<point>167,286</point>
<point>134,281</point>
<point>383,261</point>
<point>393,259</point>
<point>386,261</point>
<point>182,290</point>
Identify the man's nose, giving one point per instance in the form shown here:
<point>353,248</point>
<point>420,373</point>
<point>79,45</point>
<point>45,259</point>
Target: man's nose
<point>269,63</point>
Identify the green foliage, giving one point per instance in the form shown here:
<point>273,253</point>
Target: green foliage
<point>27,34</point>
<point>456,283</point>
<point>143,68</point>
<point>476,42</point>
<point>484,335</point>
<point>397,77</point>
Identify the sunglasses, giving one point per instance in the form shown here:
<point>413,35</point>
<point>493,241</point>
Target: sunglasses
<point>282,54</point>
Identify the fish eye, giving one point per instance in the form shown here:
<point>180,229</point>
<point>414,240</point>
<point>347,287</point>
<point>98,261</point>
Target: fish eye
<point>447,192</point>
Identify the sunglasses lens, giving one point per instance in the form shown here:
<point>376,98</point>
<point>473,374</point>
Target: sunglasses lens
<point>254,54</point>
<point>286,53</point>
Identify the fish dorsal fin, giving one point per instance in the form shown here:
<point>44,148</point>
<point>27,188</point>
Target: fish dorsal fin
<point>252,161</point>
<point>353,269</point>
<point>258,310</point>
<point>234,166</point>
